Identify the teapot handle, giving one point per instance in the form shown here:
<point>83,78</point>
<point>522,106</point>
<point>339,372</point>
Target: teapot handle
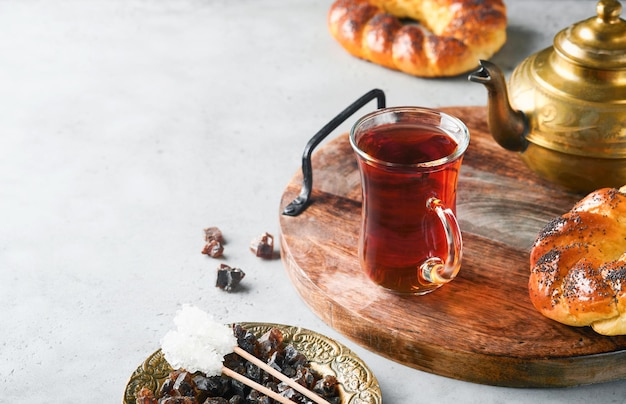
<point>300,203</point>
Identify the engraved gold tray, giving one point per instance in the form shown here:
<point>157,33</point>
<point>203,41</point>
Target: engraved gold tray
<point>357,383</point>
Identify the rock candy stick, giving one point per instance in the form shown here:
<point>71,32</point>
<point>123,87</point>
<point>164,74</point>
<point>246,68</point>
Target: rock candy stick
<point>292,383</point>
<point>199,344</point>
<point>256,386</point>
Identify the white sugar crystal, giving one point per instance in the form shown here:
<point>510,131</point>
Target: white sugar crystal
<point>198,343</point>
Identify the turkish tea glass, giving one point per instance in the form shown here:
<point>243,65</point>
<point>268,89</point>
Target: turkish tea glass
<point>409,160</point>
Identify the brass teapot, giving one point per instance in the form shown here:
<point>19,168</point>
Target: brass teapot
<point>565,108</point>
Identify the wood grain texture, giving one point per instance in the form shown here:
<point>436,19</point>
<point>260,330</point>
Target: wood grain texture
<point>482,326</point>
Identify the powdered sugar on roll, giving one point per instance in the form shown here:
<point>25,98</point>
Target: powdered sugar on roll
<point>198,343</point>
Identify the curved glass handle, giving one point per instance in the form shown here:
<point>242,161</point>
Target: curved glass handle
<point>435,270</point>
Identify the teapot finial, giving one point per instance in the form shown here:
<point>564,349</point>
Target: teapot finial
<point>609,10</point>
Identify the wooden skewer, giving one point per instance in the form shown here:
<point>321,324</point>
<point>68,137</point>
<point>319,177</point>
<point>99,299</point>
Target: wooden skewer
<point>258,387</point>
<point>292,383</point>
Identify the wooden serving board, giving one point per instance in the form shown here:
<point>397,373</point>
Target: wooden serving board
<point>481,327</point>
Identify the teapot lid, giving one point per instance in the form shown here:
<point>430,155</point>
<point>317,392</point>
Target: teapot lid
<point>598,42</point>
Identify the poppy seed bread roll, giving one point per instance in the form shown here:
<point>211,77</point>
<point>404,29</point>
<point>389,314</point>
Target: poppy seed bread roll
<point>578,264</point>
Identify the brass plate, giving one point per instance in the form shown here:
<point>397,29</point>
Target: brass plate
<point>357,383</point>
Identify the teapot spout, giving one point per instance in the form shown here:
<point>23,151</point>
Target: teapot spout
<point>507,126</point>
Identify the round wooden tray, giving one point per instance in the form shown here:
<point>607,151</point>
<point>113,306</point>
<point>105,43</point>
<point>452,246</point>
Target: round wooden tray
<point>482,326</point>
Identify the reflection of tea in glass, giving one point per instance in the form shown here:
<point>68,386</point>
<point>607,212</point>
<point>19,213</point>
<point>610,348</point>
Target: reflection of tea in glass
<point>399,232</point>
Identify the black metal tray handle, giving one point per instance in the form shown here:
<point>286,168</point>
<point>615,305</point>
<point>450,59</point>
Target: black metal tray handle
<point>301,202</point>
